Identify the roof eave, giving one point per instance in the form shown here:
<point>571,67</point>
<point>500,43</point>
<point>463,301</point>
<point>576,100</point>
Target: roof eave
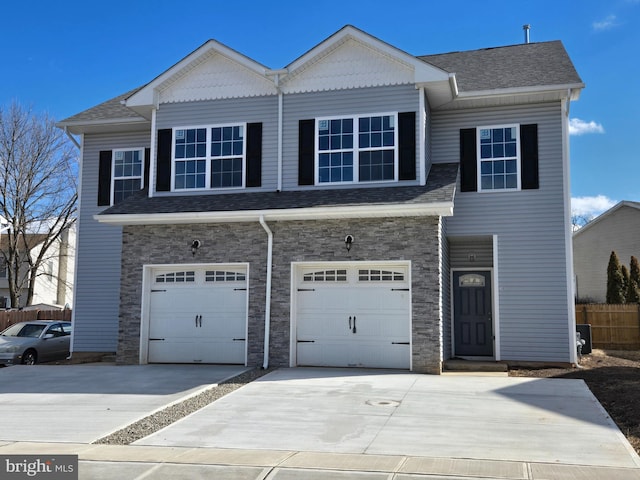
<point>444,209</point>
<point>85,126</point>
<point>571,89</point>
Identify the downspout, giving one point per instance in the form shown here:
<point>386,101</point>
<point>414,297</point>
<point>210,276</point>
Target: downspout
<point>72,138</point>
<point>280,127</point>
<point>152,147</point>
<point>75,254</point>
<point>267,307</point>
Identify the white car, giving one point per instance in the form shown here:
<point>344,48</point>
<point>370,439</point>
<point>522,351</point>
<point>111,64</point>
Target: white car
<point>33,342</point>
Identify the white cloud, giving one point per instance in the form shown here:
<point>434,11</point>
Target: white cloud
<point>605,24</point>
<point>580,127</point>
<point>590,207</point>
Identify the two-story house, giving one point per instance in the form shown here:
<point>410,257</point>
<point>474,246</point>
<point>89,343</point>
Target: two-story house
<point>360,207</point>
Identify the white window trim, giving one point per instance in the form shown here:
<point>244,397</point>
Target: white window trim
<point>113,169</point>
<point>208,158</point>
<point>356,148</point>
<point>479,159</point>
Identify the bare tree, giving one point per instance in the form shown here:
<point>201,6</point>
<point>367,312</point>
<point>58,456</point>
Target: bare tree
<point>579,221</point>
<point>38,194</point>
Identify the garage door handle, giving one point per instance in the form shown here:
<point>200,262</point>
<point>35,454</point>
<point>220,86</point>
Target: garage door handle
<point>306,289</point>
<point>156,339</point>
<point>239,339</point>
<point>349,323</point>
<point>198,321</point>
<point>306,341</point>
<point>399,343</point>
<point>354,324</point>
<point>239,289</point>
<point>157,291</point>
<point>399,289</point>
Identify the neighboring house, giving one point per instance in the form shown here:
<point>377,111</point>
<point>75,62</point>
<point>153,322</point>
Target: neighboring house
<point>618,230</point>
<point>54,281</point>
<point>359,207</point>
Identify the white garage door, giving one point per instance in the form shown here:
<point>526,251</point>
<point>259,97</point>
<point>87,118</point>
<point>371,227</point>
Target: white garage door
<point>198,315</point>
<point>355,315</point>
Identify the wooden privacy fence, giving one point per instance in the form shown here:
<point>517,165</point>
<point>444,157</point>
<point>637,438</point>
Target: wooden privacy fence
<point>612,326</point>
<point>10,317</point>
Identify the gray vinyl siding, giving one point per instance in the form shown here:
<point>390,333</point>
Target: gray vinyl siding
<point>531,230</point>
<point>471,252</point>
<point>97,288</point>
<point>237,110</point>
<point>306,106</point>
<point>592,247</point>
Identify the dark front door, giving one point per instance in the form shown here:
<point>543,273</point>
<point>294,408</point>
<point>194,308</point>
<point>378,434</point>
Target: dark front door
<point>472,322</point>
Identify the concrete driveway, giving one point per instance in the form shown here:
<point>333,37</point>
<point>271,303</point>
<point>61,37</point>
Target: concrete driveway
<point>390,413</point>
<point>83,403</point>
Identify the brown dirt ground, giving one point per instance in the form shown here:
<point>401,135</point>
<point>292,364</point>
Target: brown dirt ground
<point>614,378</point>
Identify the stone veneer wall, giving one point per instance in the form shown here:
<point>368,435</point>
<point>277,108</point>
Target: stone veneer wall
<point>416,239</point>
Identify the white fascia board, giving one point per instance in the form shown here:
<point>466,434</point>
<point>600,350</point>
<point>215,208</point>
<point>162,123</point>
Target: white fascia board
<point>147,95</point>
<point>444,209</point>
<point>83,126</point>
<point>503,92</point>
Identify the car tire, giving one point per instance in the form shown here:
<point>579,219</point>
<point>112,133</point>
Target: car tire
<point>30,357</point>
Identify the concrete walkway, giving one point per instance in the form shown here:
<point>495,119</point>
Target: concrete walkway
<point>356,424</point>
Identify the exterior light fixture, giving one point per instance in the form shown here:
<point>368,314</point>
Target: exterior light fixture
<point>348,241</point>
<point>195,245</point>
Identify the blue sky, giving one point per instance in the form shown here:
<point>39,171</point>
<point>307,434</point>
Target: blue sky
<point>64,57</point>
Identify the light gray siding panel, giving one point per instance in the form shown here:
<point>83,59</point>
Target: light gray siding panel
<point>237,110</point>
<point>592,248</point>
<point>97,289</point>
<point>339,102</point>
<point>531,229</point>
<point>471,252</point>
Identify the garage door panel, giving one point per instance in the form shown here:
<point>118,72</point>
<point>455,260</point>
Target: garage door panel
<point>201,314</point>
<point>361,321</point>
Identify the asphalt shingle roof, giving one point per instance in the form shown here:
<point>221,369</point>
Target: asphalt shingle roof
<point>440,188</point>
<point>524,65</point>
<point>110,110</point>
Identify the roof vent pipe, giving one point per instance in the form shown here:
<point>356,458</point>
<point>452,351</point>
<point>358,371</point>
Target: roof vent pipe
<point>526,29</point>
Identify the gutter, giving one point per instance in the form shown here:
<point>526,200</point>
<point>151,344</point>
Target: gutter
<point>267,307</point>
<point>443,209</point>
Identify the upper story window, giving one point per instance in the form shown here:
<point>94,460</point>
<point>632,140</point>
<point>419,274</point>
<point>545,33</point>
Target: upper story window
<point>209,157</point>
<point>357,149</point>
<point>127,174</point>
<point>499,157</point>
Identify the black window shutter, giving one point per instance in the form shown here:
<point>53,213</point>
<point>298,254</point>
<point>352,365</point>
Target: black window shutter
<point>147,165</point>
<point>468,160</point>
<point>407,147</point>
<point>306,152</point>
<point>163,170</point>
<point>254,154</point>
<point>104,178</point>
<point>529,156</point>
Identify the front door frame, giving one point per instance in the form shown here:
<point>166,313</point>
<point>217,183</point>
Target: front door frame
<point>495,317</point>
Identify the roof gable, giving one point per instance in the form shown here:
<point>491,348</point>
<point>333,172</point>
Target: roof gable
<point>213,71</point>
<point>608,214</point>
<point>352,58</point>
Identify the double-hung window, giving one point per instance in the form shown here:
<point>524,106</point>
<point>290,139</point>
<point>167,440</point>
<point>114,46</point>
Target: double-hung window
<point>357,149</point>
<point>499,157</point>
<point>209,157</point>
<point>127,174</point>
